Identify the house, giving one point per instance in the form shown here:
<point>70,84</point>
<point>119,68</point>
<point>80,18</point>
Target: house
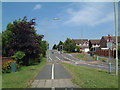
<point>83,43</point>
<point>103,42</point>
<point>94,43</point>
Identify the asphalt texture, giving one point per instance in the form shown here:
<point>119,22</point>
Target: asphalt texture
<point>69,57</point>
<point>60,72</point>
<point>58,76</point>
<point>45,73</point>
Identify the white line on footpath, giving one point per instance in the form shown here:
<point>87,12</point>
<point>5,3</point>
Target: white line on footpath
<point>52,77</point>
<point>57,58</point>
<point>50,58</point>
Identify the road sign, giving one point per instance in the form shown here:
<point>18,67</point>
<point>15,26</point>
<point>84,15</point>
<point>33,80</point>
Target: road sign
<point>109,42</point>
<point>109,45</point>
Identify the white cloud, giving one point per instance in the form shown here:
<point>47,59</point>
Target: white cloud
<point>38,6</point>
<point>90,14</point>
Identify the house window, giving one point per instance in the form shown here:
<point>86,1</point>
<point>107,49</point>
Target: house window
<point>78,44</point>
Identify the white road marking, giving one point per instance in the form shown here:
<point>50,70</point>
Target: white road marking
<point>50,58</point>
<point>67,58</point>
<point>73,57</point>
<point>57,58</point>
<point>53,88</point>
<point>52,77</point>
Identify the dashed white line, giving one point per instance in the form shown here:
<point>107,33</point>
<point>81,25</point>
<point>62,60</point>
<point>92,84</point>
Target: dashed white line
<point>67,58</point>
<point>57,58</point>
<point>50,58</point>
<point>73,57</point>
<point>52,77</point>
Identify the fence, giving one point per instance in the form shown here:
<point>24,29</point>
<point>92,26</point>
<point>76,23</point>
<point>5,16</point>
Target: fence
<point>105,53</point>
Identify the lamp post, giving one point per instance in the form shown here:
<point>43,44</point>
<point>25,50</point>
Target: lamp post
<point>116,32</point>
<point>47,21</point>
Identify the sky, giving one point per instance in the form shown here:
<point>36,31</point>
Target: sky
<point>76,20</point>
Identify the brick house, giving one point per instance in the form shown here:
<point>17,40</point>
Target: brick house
<point>83,43</point>
<point>103,41</point>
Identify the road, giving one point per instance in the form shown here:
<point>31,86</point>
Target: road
<point>64,57</point>
<point>54,75</point>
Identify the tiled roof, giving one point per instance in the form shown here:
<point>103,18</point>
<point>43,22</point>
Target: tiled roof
<point>95,41</point>
<point>80,41</point>
<point>113,38</point>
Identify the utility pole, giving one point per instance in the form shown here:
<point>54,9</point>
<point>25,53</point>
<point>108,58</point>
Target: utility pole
<point>116,31</point>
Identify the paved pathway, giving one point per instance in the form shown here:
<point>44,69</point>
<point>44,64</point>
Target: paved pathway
<point>53,75</point>
<point>53,83</point>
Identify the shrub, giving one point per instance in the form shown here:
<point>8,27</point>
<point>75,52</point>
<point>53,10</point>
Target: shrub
<point>6,66</point>
<point>18,56</point>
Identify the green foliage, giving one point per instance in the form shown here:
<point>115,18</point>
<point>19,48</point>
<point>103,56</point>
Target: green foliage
<point>86,77</point>
<point>6,39</point>
<point>20,79</point>
<point>6,66</point>
<point>119,48</point>
<point>55,46</point>
<point>69,45</point>
<point>0,44</point>
<point>59,45</point>
<point>78,48</point>
<point>18,55</point>
<point>21,36</point>
<point>43,47</point>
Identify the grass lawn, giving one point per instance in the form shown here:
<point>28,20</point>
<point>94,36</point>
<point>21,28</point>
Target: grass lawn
<point>81,56</point>
<point>21,78</point>
<point>86,77</point>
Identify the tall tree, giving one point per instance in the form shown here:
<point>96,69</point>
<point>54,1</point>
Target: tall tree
<point>54,46</point>
<point>58,46</point>
<point>21,36</point>
<point>69,45</point>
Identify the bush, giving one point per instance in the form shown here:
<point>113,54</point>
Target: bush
<point>78,48</point>
<point>18,56</point>
<point>6,66</point>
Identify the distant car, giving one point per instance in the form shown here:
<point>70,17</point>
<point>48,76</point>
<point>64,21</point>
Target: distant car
<point>52,52</point>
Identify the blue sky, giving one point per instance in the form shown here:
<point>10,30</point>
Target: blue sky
<point>81,20</point>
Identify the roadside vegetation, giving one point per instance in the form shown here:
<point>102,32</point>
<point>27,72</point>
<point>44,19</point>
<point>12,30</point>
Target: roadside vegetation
<point>24,48</point>
<point>86,77</point>
<point>83,56</point>
<point>22,78</point>
<point>67,46</point>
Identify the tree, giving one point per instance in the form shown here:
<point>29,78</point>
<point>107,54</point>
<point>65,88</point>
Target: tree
<point>69,45</point>
<point>43,48</point>
<point>0,44</point>
<point>54,46</point>
<point>21,36</point>
<point>58,46</point>
<point>78,48</point>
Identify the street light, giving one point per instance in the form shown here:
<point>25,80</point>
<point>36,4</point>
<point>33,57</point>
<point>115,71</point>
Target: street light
<point>116,33</point>
<point>47,21</point>
<point>55,19</point>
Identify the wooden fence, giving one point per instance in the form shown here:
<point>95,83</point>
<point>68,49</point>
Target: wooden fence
<point>105,53</point>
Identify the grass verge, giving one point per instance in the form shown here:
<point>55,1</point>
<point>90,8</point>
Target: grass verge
<point>81,56</point>
<point>86,77</point>
<point>21,78</point>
